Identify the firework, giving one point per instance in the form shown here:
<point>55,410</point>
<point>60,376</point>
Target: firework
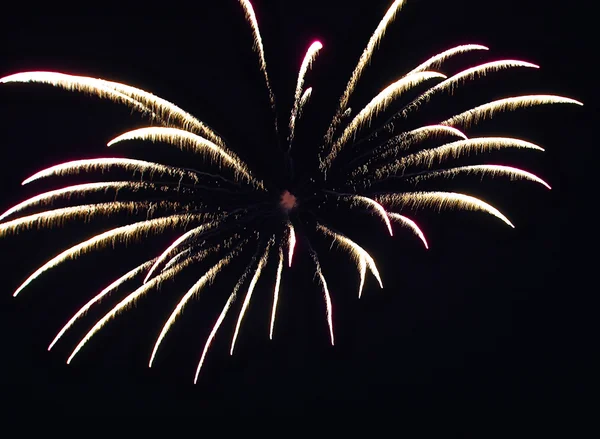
<point>222,213</point>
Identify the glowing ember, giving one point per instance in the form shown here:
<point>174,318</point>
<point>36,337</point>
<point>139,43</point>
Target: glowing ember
<point>287,201</point>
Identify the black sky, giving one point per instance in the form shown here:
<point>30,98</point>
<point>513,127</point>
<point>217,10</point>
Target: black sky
<point>488,316</point>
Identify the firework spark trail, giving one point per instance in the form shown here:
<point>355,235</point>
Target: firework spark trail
<point>451,83</point>
<point>493,170</point>
<point>207,278</point>
<point>309,58</point>
<point>455,150</point>
<point>326,295</point>
<point>363,61</point>
<point>261,263</point>
<point>362,258</point>
<point>111,237</point>
<point>276,291</point>
<point>120,93</point>
<point>487,111</point>
<point>441,200</point>
<point>377,104</point>
<point>378,208</point>
<point>175,259</point>
<point>186,140</point>
<point>291,242</point>
<point>104,164</point>
<point>80,189</point>
<point>56,217</point>
<point>224,311</point>
<point>96,299</point>
<point>436,61</point>
<point>401,219</point>
<point>128,301</point>
<point>303,101</point>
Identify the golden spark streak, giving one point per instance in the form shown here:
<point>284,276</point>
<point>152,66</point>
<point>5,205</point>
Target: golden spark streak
<point>360,256</point>
<point>120,93</point>
<point>56,217</point>
<point>217,324</point>
<point>377,207</point>
<point>435,61</point>
<point>207,278</point>
<point>441,200</point>
<point>396,217</point>
<point>431,130</point>
<point>80,189</point>
<point>291,243</point>
<point>276,291</point>
<point>176,259</point>
<point>111,237</point>
<point>309,58</point>
<point>454,150</point>
<point>468,74</point>
<point>365,58</point>
<point>488,110</point>
<point>326,295</point>
<point>303,101</point>
<point>105,292</point>
<point>258,45</point>
<point>128,301</point>
<point>164,255</point>
<point>89,165</point>
<point>378,104</point>
<point>186,140</point>
<point>257,273</point>
<point>493,170</point>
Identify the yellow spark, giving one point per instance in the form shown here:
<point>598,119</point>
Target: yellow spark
<point>493,170</point>
<point>455,150</point>
<point>410,224</point>
<point>128,301</point>
<point>326,295</point>
<point>120,93</point>
<point>488,110</point>
<point>276,291</point>
<point>359,199</point>
<point>207,278</point>
<point>57,217</point>
<point>291,243</point>
<point>378,104</point>
<point>105,292</point>
<point>257,273</point>
<point>309,58</point>
<point>80,189</point>
<point>441,200</point>
<point>186,140</point>
<point>120,234</point>
<point>361,257</point>
<point>103,164</point>
<point>435,61</point>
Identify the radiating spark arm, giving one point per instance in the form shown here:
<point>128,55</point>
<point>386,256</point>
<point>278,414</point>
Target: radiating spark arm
<point>276,291</point>
<point>326,295</point>
<point>128,301</point>
<point>291,242</point>
<point>80,189</point>
<point>186,140</point>
<point>436,61</point>
<point>359,199</point>
<point>487,111</point>
<point>261,263</point>
<point>104,293</point>
<point>110,237</point>
<point>207,278</point>
<point>361,257</point>
<point>440,200</point>
<point>103,164</point>
<point>407,222</point>
<point>140,100</point>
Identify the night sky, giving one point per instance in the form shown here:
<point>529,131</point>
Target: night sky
<point>489,316</point>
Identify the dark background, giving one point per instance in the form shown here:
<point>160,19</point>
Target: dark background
<point>489,317</point>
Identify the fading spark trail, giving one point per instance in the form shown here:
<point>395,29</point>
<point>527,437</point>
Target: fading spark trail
<point>326,295</point>
<point>104,293</point>
<point>407,222</point>
<point>276,291</point>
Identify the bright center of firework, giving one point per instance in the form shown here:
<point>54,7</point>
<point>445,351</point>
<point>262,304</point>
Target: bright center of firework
<point>287,201</point>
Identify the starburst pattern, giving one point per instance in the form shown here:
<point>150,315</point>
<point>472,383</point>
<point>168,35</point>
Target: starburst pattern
<point>221,213</point>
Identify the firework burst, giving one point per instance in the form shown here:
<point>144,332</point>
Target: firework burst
<point>221,213</point>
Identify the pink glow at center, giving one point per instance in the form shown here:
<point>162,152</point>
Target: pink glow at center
<point>287,201</point>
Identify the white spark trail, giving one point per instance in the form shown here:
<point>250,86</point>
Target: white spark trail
<point>396,217</point>
<point>276,291</point>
